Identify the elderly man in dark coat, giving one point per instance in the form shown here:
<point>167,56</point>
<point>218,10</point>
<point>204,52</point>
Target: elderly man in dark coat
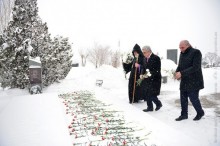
<point>151,84</point>
<point>135,68</point>
<point>189,73</point>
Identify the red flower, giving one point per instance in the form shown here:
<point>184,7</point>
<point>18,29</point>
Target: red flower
<point>124,142</point>
<point>113,138</point>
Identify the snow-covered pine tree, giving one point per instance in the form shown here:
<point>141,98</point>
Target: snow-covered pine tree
<point>57,64</point>
<point>7,58</point>
<point>17,37</point>
<point>25,32</point>
<point>49,62</point>
<point>26,36</point>
<point>41,39</point>
<point>64,56</point>
<point>14,55</point>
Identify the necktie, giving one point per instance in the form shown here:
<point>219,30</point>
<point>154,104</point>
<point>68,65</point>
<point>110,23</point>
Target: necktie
<point>147,59</point>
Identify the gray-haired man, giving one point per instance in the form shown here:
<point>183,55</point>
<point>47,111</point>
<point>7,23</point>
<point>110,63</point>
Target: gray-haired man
<point>152,84</point>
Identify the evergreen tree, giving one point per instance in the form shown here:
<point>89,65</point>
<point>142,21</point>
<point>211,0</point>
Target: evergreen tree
<point>27,36</point>
<point>48,60</point>
<point>64,56</point>
<point>7,58</point>
<point>57,64</point>
<point>17,38</point>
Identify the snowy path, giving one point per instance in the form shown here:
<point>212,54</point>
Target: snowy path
<point>114,90</point>
<point>165,131</point>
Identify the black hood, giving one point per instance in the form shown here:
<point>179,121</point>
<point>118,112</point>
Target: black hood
<point>137,48</point>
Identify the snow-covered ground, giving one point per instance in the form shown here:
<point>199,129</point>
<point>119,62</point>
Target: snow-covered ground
<point>33,121</point>
<point>40,119</point>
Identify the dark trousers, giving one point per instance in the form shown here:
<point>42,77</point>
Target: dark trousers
<point>194,98</point>
<point>152,99</point>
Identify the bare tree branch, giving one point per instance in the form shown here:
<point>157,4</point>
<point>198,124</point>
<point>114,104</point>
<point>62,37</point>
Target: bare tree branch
<point>211,57</point>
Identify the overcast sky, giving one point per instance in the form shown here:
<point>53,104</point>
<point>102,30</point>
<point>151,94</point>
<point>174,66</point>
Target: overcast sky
<point>158,23</point>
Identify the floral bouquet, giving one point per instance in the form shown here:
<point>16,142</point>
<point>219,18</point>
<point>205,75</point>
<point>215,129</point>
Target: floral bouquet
<point>128,58</point>
<point>142,77</point>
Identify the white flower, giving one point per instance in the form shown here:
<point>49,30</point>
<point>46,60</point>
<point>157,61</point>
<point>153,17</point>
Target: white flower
<point>127,58</point>
<point>146,75</point>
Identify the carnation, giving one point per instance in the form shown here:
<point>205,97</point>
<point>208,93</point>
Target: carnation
<point>142,77</point>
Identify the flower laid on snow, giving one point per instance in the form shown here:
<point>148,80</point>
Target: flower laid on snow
<point>96,123</point>
<point>142,77</point>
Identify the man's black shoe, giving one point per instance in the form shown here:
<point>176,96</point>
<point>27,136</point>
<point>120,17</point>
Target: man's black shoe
<point>148,110</point>
<point>158,107</point>
<point>180,118</point>
<point>199,116</point>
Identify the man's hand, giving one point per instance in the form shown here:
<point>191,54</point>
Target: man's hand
<point>178,75</point>
<point>137,65</point>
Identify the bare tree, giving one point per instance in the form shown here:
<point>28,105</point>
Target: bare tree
<point>104,53</point>
<point>94,56</point>
<point>115,58</point>
<point>5,13</point>
<point>99,55</point>
<point>205,62</point>
<point>81,56</point>
<point>211,57</point>
<point>84,55</point>
<point>217,61</point>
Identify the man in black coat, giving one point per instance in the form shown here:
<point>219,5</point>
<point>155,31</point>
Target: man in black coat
<point>189,73</point>
<point>135,68</point>
<point>151,85</point>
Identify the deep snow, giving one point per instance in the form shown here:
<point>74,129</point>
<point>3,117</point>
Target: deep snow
<point>31,120</point>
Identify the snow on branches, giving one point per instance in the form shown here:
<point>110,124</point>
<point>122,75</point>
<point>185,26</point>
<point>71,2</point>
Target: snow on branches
<point>27,36</point>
